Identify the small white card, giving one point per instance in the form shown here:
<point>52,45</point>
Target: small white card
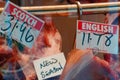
<point>20,25</point>
<point>97,36</point>
<point>49,66</point>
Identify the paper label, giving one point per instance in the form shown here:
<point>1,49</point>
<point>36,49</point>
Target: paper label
<point>97,36</point>
<point>19,24</point>
<point>49,66</point>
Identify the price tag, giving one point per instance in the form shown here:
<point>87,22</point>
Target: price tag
<point>49,66</point>
<point>97,36</point>
<point>19,24</point>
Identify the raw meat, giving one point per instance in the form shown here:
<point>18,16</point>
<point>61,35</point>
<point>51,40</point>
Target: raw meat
<point>18,58</point>
<point>48,43</point>
<point>2,3</point>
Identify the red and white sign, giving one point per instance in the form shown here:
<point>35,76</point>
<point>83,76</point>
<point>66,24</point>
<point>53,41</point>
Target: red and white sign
<point>97,36</point>
<point>96,27</point>
<point>20,25</point>
<point>24,16</point>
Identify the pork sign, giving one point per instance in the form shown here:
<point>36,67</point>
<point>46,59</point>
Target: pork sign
<point>19,24</point>
<point>97,36</point>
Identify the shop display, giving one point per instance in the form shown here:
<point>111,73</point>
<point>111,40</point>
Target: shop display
<point>42,59</point>
<point>16,60</point>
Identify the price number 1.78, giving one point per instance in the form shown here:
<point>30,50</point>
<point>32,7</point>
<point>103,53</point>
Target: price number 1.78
<point>88,37</point>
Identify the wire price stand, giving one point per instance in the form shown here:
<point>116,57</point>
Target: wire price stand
<point>63,10</point>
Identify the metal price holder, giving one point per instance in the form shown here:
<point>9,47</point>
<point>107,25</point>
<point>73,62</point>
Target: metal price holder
<point>80,9</point>
<point>64,10</point>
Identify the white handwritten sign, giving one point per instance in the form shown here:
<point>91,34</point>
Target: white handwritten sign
<point>97,36</point>
<point>49,66</point>
<point>19,24</point>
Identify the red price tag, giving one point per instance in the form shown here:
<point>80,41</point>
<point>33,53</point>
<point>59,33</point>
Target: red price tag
<point>20,25</point>
<point>97,36</point>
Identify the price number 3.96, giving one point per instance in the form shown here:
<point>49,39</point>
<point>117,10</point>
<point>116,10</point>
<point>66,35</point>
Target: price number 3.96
<point>18,30</point>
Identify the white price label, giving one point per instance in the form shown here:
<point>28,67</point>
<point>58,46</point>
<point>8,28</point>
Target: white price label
<point>19,24</point>
<point>97,36</point>
<point>49,66</point>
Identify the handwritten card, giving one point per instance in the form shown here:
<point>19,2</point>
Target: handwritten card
<point>97,36</point>
<point>49,66</point>
<point>20,25</point>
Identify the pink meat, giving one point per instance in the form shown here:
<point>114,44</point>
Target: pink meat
<point>48,43</point>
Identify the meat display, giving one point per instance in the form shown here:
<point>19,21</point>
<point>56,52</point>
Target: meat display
<point>2,3</point>
<point>16,62</point>
<point>83,65</point>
